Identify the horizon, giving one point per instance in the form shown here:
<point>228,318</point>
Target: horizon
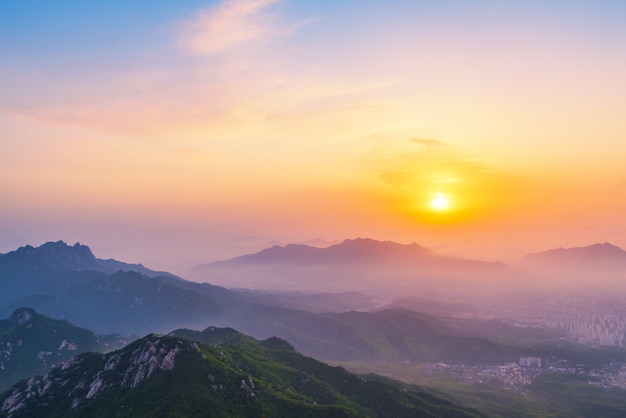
<point>179,134</point>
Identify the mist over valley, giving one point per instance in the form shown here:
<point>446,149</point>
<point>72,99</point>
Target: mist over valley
<point>367,305</point>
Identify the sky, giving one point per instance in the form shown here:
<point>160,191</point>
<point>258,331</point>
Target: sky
<point>176,133</point>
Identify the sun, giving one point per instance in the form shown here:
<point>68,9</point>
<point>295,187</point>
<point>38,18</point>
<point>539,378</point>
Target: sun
<point>440,202</point>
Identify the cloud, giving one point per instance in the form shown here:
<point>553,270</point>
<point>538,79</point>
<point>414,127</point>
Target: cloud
<point>229,24</point>
<point>189,97</point>
<point>216,94</point>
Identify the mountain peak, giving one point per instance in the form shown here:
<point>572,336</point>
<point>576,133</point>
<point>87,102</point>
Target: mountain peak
<point>58,248</point>
<point>22,315</point>
<point>608,246</point>
<point>57,256</point>
<point>62,246</point>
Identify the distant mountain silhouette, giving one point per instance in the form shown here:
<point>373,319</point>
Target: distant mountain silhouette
<point>350,251</point>
<point>360,264</point>
<point>55,257</point>
<point>597,256</point>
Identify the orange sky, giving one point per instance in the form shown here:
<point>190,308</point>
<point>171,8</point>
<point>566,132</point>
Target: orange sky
<point>212,130</point>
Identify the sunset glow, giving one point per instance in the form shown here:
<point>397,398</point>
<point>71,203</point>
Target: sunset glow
<point>181,133</point>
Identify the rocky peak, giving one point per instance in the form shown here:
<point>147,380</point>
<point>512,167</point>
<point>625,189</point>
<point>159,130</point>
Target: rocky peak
<point>22,315</point>
<point>58,256</point>
<point>56,248</point>
<point>76,251</point>
<point>123,369</point>
<point>152,355</point>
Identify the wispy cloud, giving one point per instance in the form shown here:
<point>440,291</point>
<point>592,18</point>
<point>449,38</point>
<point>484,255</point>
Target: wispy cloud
<point>232,23</point>
<point>215,91</point>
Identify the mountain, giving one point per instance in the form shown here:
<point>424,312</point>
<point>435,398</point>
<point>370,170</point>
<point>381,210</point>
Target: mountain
<point>106,296</point>
<point>32,343</point>
<point>349,251</point>
<point>595,268</point>
<point>29,270</point>
<point>69,282</point>
<point>597,256</point>
<point>360,250</point>
<point>131,303</point>
<point>361,264</point>
<point>58,256</point>
<point>166,375</point>
<point>128,302</point>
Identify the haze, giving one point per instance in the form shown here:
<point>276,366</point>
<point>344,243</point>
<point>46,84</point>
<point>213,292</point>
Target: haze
<point>177,134</point>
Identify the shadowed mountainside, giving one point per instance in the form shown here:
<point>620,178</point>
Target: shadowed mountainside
<point>106,296</point>
<point>29,270</point>
<point>33,343</point>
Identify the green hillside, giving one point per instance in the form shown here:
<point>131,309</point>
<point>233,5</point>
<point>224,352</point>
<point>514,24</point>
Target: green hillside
<point>240,377</point>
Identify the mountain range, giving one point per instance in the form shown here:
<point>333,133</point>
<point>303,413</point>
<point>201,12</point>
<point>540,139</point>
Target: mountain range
<point>29,270</point>
<point>364,264</point>
<point>359,251</point>
<point>132,303</point>
<point>106,296</point>
<point>109,296</point>
<point>57,256</point>
<point>366,251</point>
<point>129,302</point>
